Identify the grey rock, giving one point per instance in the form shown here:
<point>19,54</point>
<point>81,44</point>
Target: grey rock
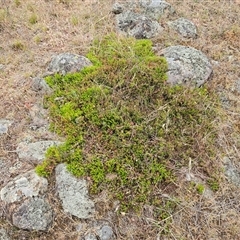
<point>156,8</point>
<point>33,214</point>
<point>39,117</point>
<point>237,85</point>
<point>4,125</point>
<point>39,84</point>
<point>74,194</point>
<point>4,169</point>
<point>231,172</point>
<point>184,27</point>
<point>24,186</point>
<point>117,8</point>
<point>3,234</point>
<point>137,25</point>
<point>106,233</point>
<point>34,152</point>
<point>186,65</point>
<point>1,67</point>
<point>90,236</point>
<point>67,63</point>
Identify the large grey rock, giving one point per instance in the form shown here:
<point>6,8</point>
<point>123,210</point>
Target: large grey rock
<point>74,193</point>
<point>137,25</point>
<point>67,63</point>
<point>33,214</point>
<point>184,27</point>
<point>24,186</point>
<point>186,65</point>
<point>4,125</point>
<point>34,152</point>
<point>3,234</point>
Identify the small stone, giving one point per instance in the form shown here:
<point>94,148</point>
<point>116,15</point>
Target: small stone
<point>90,236</point>
<point>117,8</point>
<point>106,233</point>
<point>39,84</point>
<point>4,125</point>
<point>33,214</point>
<point>155,9</point>
<point>3,234</point>
<point>231,172</point>
<point>1,67</point>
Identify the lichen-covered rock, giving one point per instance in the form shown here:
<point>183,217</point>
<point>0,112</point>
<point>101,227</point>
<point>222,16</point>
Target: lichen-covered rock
<point>99,230</point>
<point>184,27</point>
<point>4,170</point>
<point>231,171</point>
<point>34,152</point>
<point>117,8</point>
<point>3,234</point>
<point>4,125</point>
<point>105,233</point>
<point>40,85</point>
<point>67,63</point>
<point>74,193</point>
<point>186,65</point>
<point>137,25</point>
<point>156,8</point>
<point>24,186</point>
<point>33,214</point>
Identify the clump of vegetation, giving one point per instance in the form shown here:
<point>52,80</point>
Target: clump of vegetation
<point>18,45</point>
<point>33,19</point>
<point>125,127</point>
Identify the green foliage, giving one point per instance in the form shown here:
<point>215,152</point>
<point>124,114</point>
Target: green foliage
<point>200,188</point>
<point>33,19</point>
<point>125,127</point>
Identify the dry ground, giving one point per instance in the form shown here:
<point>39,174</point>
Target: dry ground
<point>32,31</point>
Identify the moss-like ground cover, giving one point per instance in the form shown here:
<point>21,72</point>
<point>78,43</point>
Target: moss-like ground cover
<point>126,129</point>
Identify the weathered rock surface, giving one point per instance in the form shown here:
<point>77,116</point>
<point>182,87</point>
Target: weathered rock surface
<point>231,172</point>
<point>186,65</point>
<point>3,234</point>
<point>24,186</point>
<point>74,193</point>
<point>100,230</point>
<point>137,25</point>
<point>156,8</point>
<point>33,214</point>
<point>140,19</point>
<point>105,233</point>
<point>4,125</point>
<point>34,152</point>
<point>67,62</point>
<point>39,85</point>
<point>184,27</point>
<point>4,170</point>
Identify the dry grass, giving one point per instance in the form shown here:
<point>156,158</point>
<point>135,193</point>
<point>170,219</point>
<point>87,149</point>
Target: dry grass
<point>70,26</point>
